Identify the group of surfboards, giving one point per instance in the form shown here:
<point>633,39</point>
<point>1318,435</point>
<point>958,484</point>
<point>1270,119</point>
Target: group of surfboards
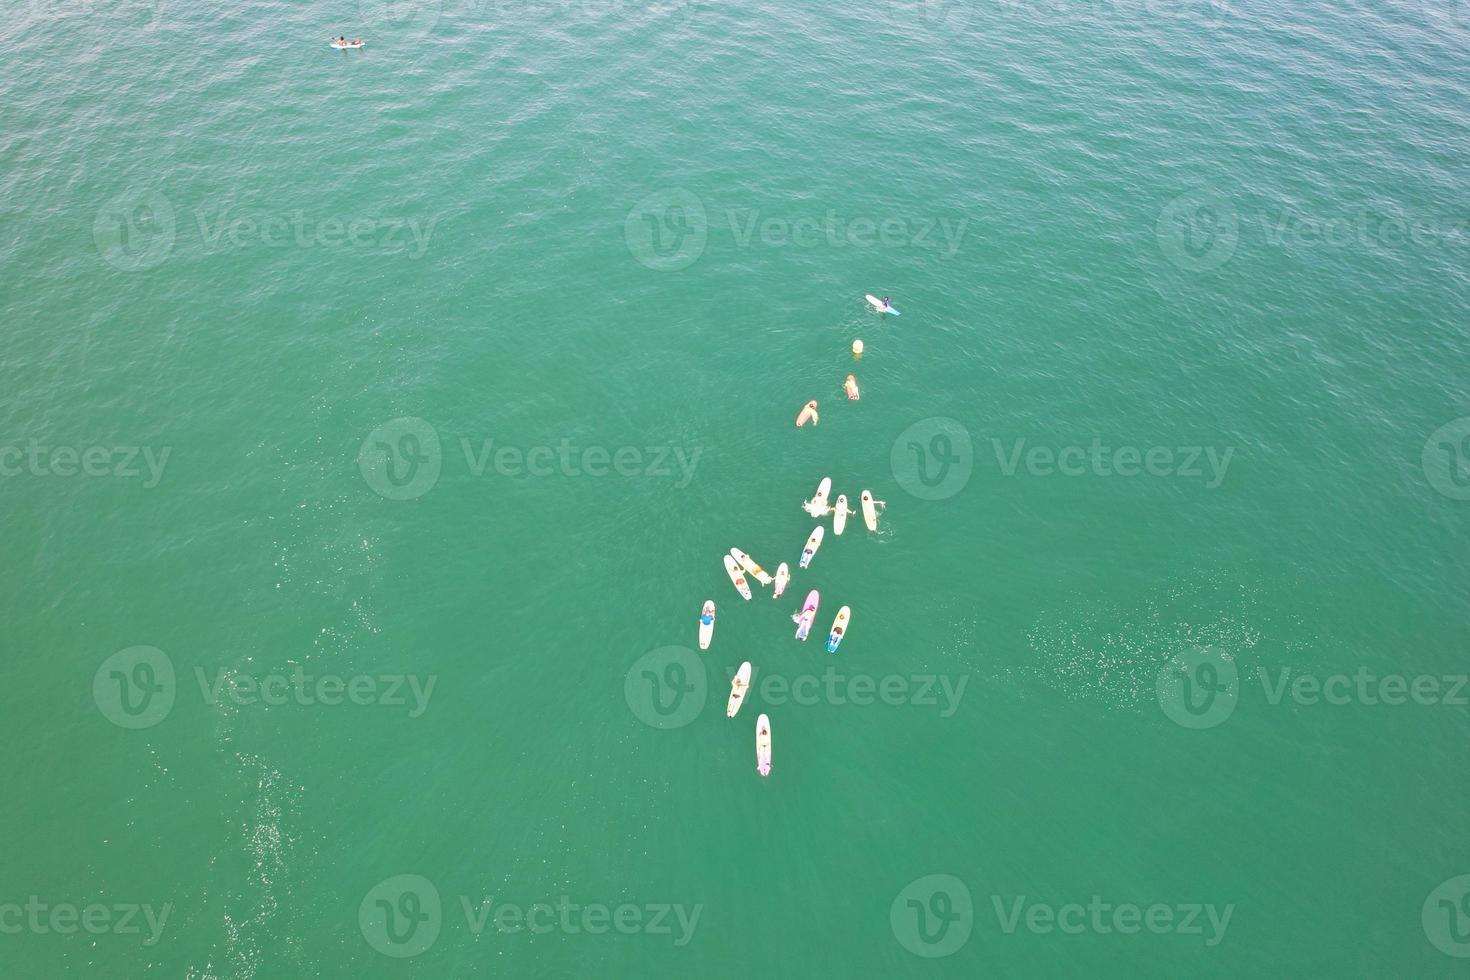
<point>738,564</point>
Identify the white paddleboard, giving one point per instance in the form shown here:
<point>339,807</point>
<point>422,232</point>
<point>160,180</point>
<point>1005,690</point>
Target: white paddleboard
<point>348,46</point>
<point>839,514</point>
<point>736,578</point>
<point>783,577</point>
<point>808,614</point>
<point>878,305</point>
<point>750,566</point>
<point>818,506</point>
<point>763,745</point>
<point>870,511</point>
<point>812,544</point>
<point>738,686</point>
<point>706,629</point>
<point>839,628</point>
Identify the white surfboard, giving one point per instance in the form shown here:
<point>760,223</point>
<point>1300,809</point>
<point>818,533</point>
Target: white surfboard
<point>818,505</point>
<point>870,511</point>
<point>736,578</point>
<point>763,745</point>
<point>839,514</point>
<point>812,544</point>
<point>750,566</point>
<point>783,578</point>
<point>839,628</point>
<point>350,45</point>
<point>738,686</point>
<point>878,305</point>
<point>706,629</point>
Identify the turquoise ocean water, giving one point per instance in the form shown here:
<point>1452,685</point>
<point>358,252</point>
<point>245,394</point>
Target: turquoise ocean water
<point>373,423</point>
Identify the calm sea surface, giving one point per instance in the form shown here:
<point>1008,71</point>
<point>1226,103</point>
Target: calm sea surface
<point>372,424</point>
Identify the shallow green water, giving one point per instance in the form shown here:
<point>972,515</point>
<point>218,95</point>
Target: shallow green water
<point>597,256</point>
